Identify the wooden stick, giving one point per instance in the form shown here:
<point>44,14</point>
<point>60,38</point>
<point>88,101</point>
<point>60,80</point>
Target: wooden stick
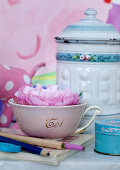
<point>35,141</point>
<point>27,147</point>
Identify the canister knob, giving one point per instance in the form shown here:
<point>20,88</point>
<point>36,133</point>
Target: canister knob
<point>90,12</point>
<point>90,18</point>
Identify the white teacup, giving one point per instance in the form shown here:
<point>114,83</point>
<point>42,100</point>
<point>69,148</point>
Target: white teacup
<point>52,121</point>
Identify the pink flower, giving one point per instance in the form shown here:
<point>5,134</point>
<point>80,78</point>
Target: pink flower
<point>51,96</point>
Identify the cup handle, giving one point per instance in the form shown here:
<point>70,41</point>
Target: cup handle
<point>98,111</point>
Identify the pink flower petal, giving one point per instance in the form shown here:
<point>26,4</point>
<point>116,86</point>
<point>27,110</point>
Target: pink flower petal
<point>46,97</point>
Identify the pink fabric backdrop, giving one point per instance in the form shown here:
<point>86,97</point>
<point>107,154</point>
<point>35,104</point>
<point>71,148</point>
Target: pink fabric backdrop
<point>28,27</point>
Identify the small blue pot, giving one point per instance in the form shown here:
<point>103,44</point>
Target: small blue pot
<point>107,137</point>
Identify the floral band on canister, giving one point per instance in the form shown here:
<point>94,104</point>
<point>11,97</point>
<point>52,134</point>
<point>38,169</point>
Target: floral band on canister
<point>111,127</point>
<point>79,57</point>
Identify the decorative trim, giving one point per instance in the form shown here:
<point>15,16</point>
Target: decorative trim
<point>111,127</point>
<point>89,28</point>
<point>79,57</point>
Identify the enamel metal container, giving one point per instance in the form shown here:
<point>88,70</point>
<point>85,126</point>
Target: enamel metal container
<point>88,61</point>
<point>107,137</point>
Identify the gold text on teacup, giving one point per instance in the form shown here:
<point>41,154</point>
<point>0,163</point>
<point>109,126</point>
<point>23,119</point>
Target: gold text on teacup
<point>54,123</point>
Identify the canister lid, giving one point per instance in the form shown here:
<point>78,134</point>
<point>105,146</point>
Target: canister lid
<point>90,28</point>
<point>111,127</point>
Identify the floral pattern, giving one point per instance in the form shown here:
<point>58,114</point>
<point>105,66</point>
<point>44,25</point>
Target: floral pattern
<point>111,127</point>
<point>84,57</point>
<point>78,57</point>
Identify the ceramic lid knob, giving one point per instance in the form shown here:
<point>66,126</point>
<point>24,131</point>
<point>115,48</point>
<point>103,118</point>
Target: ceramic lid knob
<point>90,18</point>
<point>91,12</point>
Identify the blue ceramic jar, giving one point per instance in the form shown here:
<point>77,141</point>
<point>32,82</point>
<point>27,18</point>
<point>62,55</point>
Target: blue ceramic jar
<point>107,137</point>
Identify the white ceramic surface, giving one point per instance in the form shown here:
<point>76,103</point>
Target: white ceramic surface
<point>100,83</point>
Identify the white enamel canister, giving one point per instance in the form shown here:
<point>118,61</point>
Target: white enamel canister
<point>88,61</point>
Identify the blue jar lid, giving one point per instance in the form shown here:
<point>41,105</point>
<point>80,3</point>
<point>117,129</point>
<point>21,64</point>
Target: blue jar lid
<point>111,127</point>
<point>90,28</point>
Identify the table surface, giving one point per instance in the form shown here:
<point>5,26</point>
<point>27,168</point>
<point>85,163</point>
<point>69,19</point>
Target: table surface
<point>86,160</point>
